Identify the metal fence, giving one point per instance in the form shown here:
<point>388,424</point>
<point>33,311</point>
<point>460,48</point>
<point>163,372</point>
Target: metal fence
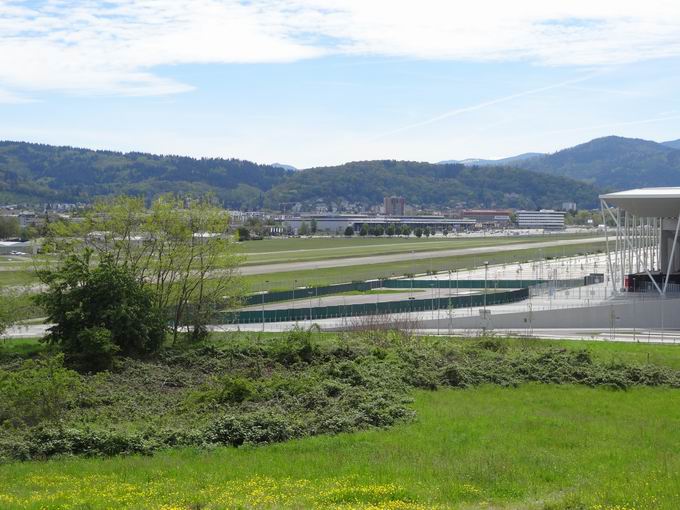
<point>362,286</point>
<point>302,313</point>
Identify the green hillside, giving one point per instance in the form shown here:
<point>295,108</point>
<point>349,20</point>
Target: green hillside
<point>614,163</point>
<point>424,184</point>
<point>36,172</point>
<point>39,173</point>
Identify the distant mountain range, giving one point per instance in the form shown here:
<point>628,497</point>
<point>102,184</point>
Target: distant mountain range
<point>513,160</point>
<point>285,167</point>
<point>610,163</point>
<point>614,163</point>
<point>673,144</point>
<point>44,173</point>
<point>429,185</point>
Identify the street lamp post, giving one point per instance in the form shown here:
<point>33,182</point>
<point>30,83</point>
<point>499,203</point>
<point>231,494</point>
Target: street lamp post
<point>263,293</point>
<point>486,272</point>
<point>294,285</point>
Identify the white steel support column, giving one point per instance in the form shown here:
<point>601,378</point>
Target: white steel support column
<point>629,245</point>
<point>612,275</point>
<point>670,259</point>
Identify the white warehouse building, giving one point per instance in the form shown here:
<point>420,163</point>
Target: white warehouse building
<point>545,218</point>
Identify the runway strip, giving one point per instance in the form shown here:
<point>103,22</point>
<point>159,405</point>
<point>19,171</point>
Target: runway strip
<point>399,257</point>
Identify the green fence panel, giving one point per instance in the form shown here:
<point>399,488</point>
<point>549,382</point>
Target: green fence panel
<point>474,284</point>
<point>305,292</point>
<point>378,308</point>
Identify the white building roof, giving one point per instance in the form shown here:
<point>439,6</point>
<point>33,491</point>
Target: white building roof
<point>647,202</point>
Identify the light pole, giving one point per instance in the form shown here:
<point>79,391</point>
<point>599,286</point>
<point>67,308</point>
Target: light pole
<point>486,272</point>
<point>263,293</point>
<point>294,285</point>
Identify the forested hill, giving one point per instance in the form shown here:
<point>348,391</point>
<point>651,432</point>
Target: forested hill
<point>40,173</point>
<point>615,163</point>
<point>36,172</point>
<point>431,185</point>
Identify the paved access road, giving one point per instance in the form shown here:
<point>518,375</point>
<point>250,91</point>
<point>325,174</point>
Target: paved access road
<point>398,257</point>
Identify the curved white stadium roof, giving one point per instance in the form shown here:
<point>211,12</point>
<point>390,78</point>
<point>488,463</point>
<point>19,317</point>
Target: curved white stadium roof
<point>647,202</point>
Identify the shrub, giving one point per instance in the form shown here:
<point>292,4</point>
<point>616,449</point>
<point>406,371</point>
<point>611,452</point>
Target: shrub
<point>295,347</point>
<point>225,390</point>
<point>40,390</point>
<point>256,428</point>
<point>99,311</point>
<point>97,349</point>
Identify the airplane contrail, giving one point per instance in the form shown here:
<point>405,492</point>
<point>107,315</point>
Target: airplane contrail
<point>485,104</point>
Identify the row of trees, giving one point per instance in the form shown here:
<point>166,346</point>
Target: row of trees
<point>129,274</point>
<point>390,230</point>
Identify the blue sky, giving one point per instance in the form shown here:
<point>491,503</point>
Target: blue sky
<point>314,82</point>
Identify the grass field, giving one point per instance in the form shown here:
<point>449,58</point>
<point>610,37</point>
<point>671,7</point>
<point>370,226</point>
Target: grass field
<point>303,249</point>
<point>326,276</point>
<point>17,278</point>
<point>529,447</point>
<point>19,272</point>
<point>542,447</point>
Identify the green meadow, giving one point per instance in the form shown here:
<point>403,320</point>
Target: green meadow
<point>530,446</point>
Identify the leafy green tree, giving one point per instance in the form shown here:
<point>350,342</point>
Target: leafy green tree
<point>405,230</point>
<point>378,230</point>
<point>364,230</point>
<point>99,311</point>
<point>313,226</point>
<point>418,232</point>
<point>10,312</point>
<point>180,250</point>
<point>390,231</point>
<point>427,232</point>
<point>243,233</point>
<point>304,229</point>
<point>9,227</point>
<point>349,231</point>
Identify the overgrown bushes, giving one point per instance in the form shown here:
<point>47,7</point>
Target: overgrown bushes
<point>254,390</point>
<point>37,391</point>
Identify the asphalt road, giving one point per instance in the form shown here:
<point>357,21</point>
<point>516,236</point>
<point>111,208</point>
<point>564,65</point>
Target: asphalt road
<point>399,257</point>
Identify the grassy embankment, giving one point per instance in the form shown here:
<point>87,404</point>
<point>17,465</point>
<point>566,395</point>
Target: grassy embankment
<point>542,446</point>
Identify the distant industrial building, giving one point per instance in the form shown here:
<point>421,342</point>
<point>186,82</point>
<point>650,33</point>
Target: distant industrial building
<point>499,217</point>
<point>568,206</point>
<point>394,206</point>
<point>339,222</point>
<point>545,219</point>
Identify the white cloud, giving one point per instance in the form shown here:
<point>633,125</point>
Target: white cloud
<point>114,47</point>
<point>8,97</point>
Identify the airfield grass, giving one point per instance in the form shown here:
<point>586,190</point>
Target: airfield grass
<point>17,278</point>
<point>543,447</point>
<point>320,248</point>
<point>17,272</point>
<point>326,276</point>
